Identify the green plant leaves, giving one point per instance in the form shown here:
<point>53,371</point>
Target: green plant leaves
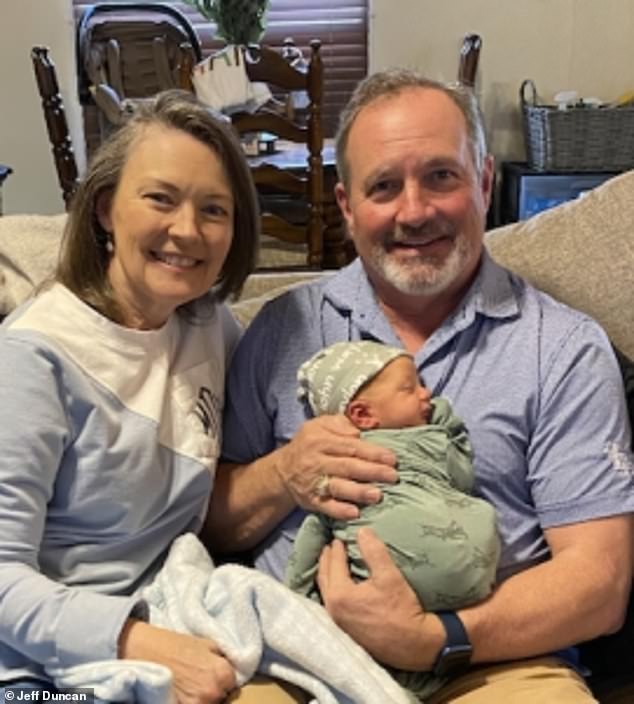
<point>237,21</point>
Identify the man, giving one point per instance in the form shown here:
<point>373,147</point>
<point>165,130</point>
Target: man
<point>536,383</point>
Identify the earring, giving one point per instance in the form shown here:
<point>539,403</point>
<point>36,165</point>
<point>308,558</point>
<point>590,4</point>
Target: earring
<point>109,245</point>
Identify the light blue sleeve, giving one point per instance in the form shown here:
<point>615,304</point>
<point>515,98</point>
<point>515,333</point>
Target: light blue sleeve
<point>247,426</point>
<point>41,620</point>
<point>262,411</point>
<point>579,458</point>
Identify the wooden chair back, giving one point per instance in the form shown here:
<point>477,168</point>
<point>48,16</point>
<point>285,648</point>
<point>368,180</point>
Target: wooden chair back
<point>469,58</point>
<point>56,124</point>
<point>264,64</point>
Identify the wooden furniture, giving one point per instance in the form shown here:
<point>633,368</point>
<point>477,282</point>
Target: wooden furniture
<point>469,58</point>
<point>289,156</point>
<point>305,173</point>
<point>306,184</point>
<point>128,51</point>
<point>4,172</point>
<point>53,107</point>
<point>125,51</point>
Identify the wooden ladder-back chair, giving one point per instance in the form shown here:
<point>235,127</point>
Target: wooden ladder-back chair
<point>264,64</point>
<point>130,51</point>
<point>56,124</point>
<point>469,58</point>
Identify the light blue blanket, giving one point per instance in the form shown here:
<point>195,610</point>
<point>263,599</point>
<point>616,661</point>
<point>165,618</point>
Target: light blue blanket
<point>260,625</point>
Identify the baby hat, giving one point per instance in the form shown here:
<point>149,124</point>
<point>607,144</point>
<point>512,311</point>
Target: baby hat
<point>330,378</point>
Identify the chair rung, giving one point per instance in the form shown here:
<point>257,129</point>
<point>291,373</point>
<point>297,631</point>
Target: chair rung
<point>268,175</point>
<point>282,230</point>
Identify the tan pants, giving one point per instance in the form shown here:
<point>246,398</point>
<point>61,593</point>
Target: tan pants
<point>263,690</point>
<point>538,681</point>
<point>535,681</point>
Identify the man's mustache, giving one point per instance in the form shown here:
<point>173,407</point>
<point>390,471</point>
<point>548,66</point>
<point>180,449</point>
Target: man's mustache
<point>428,232</point>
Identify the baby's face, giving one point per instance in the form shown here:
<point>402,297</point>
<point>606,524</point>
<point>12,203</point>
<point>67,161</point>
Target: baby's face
<point>397,396</point>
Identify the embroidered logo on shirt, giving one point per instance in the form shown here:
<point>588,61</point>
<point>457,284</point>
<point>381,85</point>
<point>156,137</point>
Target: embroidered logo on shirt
<point>621,458</point>
<point>208,410</point>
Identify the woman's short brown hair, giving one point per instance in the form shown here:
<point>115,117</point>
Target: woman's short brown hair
<point>84,259</point>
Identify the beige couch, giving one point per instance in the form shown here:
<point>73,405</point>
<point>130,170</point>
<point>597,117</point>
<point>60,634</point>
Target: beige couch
<point>581,252</point>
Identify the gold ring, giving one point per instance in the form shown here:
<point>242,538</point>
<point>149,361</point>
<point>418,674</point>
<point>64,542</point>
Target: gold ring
<point>322,488</point>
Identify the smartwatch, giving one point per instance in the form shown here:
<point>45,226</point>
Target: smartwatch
<point>455,656</point>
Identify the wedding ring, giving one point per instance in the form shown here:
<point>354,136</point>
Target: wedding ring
<point>322,488</point>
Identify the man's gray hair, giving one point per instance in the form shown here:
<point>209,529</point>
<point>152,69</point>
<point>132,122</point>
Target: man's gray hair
<point>391,82</point>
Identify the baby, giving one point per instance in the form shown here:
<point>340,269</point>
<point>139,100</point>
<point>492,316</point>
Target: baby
<point>443,539</point>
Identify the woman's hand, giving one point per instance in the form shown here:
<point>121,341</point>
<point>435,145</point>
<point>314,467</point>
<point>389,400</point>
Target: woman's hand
<point>326,467</point>
<point>202,675</point>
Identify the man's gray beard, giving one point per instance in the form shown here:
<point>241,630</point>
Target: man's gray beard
<point>420,275</point>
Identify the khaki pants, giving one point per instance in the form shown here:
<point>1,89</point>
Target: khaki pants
<point>538,681</point>
<point>535,681</point>
<point>263,690</point>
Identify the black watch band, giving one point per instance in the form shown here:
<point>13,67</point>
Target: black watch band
<point>455,656</point>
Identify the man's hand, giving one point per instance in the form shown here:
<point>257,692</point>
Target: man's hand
<point>249,501</point>
<point>382,613</point>
<point>328,449</point>
<point>202,675</point>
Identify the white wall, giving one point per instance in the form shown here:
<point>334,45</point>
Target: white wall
<point>583,45</point>
<point>24,144</point>
<point>586,45</point>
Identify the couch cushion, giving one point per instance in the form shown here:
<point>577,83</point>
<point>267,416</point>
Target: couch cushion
<point>29,245</point>
<point>262,287</point>
<point>582,253</point>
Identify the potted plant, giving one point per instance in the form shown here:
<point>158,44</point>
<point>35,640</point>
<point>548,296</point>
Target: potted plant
<point>239,22</point>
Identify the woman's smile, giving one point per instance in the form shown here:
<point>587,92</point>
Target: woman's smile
<point>176,261</point>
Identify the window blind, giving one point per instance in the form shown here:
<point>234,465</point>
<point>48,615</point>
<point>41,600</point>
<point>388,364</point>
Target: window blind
<point>341,25</point>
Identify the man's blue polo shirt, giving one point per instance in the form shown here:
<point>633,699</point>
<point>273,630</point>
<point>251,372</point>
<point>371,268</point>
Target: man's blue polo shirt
<point>536,383</point>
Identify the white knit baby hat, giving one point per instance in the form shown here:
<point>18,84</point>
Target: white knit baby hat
<point>331,378</point>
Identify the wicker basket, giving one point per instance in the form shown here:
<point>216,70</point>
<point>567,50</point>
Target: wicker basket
<point>576,139</point>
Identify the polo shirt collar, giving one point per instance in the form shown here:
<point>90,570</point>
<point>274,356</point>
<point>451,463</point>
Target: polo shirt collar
<point>491,294</point>
<point>351,292</point>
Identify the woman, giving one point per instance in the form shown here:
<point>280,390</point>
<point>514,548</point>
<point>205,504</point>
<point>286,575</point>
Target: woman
<point>112,389</point>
